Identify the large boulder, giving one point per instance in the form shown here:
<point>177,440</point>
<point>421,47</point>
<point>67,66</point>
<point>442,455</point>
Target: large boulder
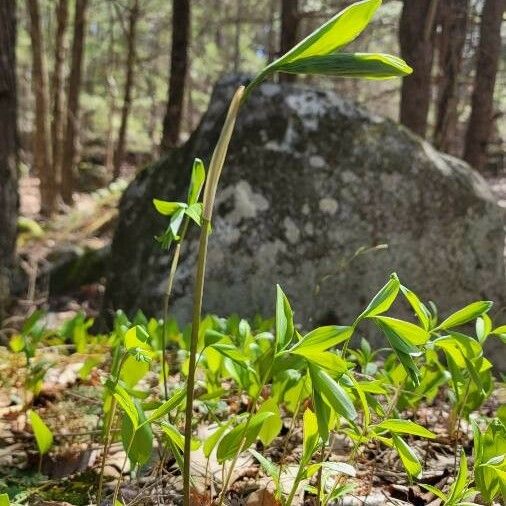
<point>310,180</point>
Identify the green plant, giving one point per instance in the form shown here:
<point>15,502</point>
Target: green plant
<point>42,433</point>
<point>316,54</point>
<point>490,461</point>
<point>460,492</point>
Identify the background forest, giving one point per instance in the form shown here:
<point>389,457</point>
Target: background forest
<point>134,95</point>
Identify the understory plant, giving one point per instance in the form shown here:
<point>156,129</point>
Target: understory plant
<point>316,54</point>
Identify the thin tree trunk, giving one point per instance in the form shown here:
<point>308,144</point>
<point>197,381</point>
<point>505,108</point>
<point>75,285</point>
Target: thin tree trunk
<point>41,151</point>
<point>454,22</point>
<point>271,39</point>
<point>237,37</point>
<point>74,88</point>
<point>111,97</point>
<point>288,32</point>
<point>57,88</point>
<point>416,38</point>
<point>8,147</point>
<point>129,81</point>
<point>482,102</point>
<point>178,70</point>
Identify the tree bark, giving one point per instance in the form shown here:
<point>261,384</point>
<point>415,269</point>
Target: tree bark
<point>74,89</point>
<point>41,150</point>
<point>482,102</point>
<point>178,70</point>
<point>8,147</point>
<point>57,88</point>
<point>416,38</point>
<point>454,21</point>
<point>129,81</point>
<point>237,37</point>
<point>288,33</point>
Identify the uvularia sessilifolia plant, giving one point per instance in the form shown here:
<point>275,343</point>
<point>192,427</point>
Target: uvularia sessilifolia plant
<point>316,54</point>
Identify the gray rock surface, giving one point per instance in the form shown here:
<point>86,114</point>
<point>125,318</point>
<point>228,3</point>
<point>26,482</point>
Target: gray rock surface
<point>310,178</point>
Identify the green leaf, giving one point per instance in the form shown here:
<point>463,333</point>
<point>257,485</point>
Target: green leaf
<point>128,406</point>
<point>398,426</point>
<point>17,343</point>
<point>406,331</point>
<point>270,469</point>
<point>333,393</point>
<point>231,442</point>
<point>322,410</point>
<point>133,371</point>
<point>310,433</point>
<point>323,338</point>
<point>42,433</point>
<point>272,427</point>
<point>4,500</point>
<point>499,331</point>
<point>460,484</point>
<point>403,350</point>
<point>382,300</point>
<point>142,444</point>
<point>408,458</point>
<point>232,352</point>
<point>197,181</point>
<point>136,337</point>
<point>195,212</point>
<point>333,467</point>
<point>339,31</point>
<point>418,307</point>
<point>167,406</point>
<point>466,314</point>
<point>459,347</point>
<point>483,327</point>
<point>409,366</point>
<point>284,320</point>
<point>434,490</point>
<point>325,359</point>
<point>361,65</point>
<point>212,440</point>
<point>173,434</point>
<point>168,208</point>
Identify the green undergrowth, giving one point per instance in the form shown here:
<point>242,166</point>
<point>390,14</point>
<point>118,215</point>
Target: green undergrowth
<point>261,376</point>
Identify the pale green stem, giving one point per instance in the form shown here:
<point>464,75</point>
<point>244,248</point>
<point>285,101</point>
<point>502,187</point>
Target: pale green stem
<point>120,478</point>
<point>215,168</point>
<point>168,291</point>
<point>107,433</point>
<point>295,485</point>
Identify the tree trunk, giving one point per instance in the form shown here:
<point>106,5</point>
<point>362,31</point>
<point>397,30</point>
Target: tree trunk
<point>8,147</point>
<point>271,37</point>
<point>41,150</point>
<point>57,85</point>
<point>129,81</point>
<point>178,71</point>
<point>74,88</point>
<point>112,94</point>
<point>416,38</point>
<point>288,33</point>
<point>454,21</point>
<point>237,37</point>
<point>482,102</point>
